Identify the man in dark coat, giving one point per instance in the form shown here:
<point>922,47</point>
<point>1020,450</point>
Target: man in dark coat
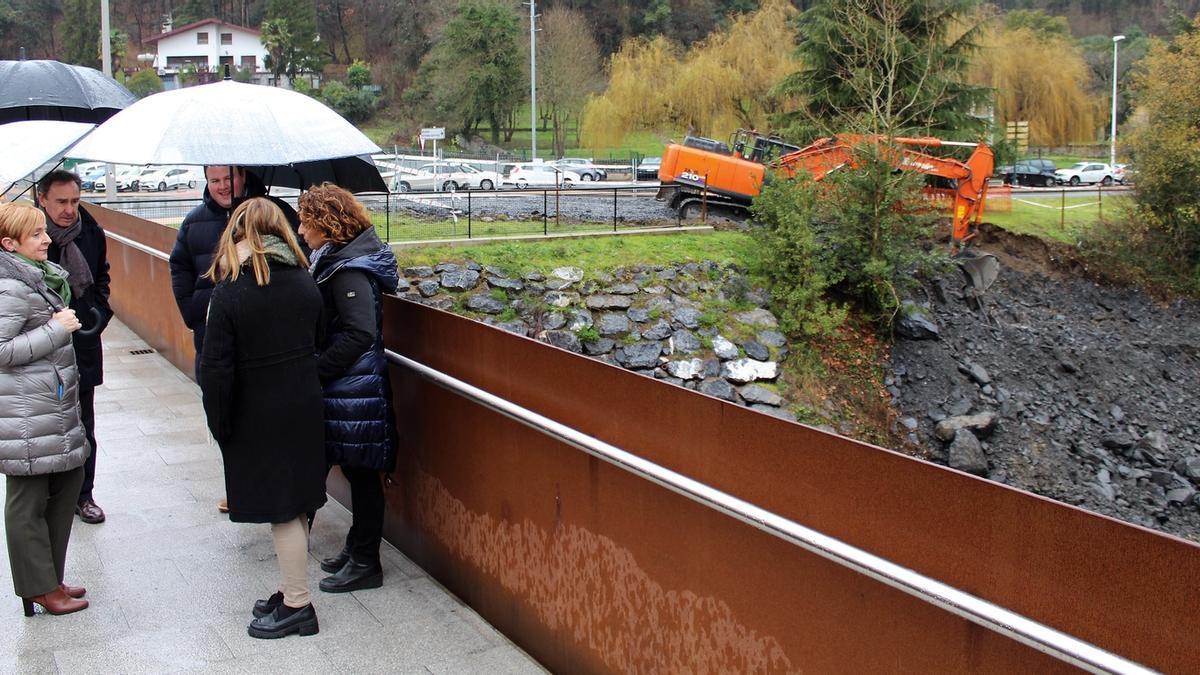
<point>197,239</point>
<point>78,244</point>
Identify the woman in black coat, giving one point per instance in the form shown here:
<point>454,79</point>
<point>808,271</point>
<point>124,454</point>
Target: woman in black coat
<point>262,397</point>
<point>353,269</point>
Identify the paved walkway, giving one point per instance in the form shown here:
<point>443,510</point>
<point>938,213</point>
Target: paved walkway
<point>171,581</point>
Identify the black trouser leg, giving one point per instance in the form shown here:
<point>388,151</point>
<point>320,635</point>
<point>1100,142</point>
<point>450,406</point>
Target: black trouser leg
<point>87,415</point>
<point>366,501</point>
<point>38,514</point>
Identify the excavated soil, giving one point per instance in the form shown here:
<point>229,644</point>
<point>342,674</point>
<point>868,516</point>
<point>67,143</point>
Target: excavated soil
<point>1092,386</point>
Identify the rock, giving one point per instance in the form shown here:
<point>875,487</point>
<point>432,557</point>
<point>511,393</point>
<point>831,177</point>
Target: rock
<point>402,285</point>
<point>622,289</point>
<point>684,342</point>
<point>976,372</point>
<point>1105,491</point>
<point>1163,478</point>
<point>781,413</point>
<point>743,371</point>
<point>609,301</point>
<point>563,339</point>
<point>420,272</point>
<point>757,317</point>
<point>472,265</point>
<point>560,299</point>
<point>598,347</point>
<point>506,283</point>
<point>1189,466</point>
<point>427,288</point>
<point>756,350</point>
<point>756,393</point>
<point>554,321</point>
<point>965,453</point>
<point>640,355</point>
<point>611,323</point>
<point>772,338</point>
<point>493,271</point>
<point>666,274</point>
<point>579,319</point>
<point>915,323</point>
<point>718,388</point>
<point>1117,413</point>
<point>485,303</point>
<point>910,423</point>
<point>686,317</point>
<point>442,302</point>
<point>535,276</point>
<point>1117,441</point>
<point>689,369</point>
<point>460,280</point>
<point>1183,495</point>
<point>724,349</point>
<point>445,267</point>
<point>569,274</point>
<point>1155,441</point>
<point>655,290</point>
<point>515,326</point>
<point>982,424</point>
<point>660,330</point>
<point>638,314</point>
<point>558,284</point>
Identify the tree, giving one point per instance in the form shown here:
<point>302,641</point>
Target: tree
<point>568,69</point>
<point>81,20</point>
<point>476,72</point>
<point>358,75</point>
<point>896,67</point>
<point>1167,151</point>
<point>29,24</point>
<point>118,43</point>
<point>289,33</point>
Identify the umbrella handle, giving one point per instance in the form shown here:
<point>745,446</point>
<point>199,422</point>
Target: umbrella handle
<point>95,327</point>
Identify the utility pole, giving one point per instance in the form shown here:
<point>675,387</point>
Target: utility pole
<point>110,176</point>
<point>533,79</point>
<point>1112,147</point>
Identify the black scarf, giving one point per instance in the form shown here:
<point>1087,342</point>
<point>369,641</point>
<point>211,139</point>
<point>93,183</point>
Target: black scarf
<point>70,257</point>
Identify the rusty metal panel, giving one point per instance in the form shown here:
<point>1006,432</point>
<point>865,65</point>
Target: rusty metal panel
<point>592,569</point>
<point>141,286</point>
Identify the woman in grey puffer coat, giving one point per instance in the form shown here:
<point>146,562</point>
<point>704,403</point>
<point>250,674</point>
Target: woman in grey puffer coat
<point>42,442</point>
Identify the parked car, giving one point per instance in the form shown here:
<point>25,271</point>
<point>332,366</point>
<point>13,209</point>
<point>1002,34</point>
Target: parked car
<point>89,179</point>
<point>1085,172</point>
<point>583,167</point>
<point>1123,173</point>
<point>1036,172</point>
<point>168,178</point>
<point>647,169</point>
<point>540,175</point>
<point>127,179</point>
<point>452,176</point>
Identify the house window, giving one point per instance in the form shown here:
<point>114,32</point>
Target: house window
<point>227,60</point>
<point>202,38</point>
<point>248,63</point>
<point>226,38</point>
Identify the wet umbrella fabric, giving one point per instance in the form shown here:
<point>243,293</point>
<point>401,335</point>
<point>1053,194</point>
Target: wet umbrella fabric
<point>228,122</point>
<point>51,90</point>
<point>30,144</point>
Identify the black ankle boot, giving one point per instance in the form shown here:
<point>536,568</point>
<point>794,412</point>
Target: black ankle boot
<point>275,625</point>
<point>265,607</point>
<point>354,576</point>
<point>337,562</point>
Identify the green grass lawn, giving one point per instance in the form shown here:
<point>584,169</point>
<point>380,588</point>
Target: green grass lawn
<point>1050,220</point>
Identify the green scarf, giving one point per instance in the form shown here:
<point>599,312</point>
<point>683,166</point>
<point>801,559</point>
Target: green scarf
<point>56,281</point>
<point>276,248</point>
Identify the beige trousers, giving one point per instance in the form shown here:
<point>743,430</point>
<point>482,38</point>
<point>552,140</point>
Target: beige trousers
<point>291,547</point>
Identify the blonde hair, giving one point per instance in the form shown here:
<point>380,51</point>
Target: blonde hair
<point>252,220</point>
<point>333,212</point>
<point>19,221</point>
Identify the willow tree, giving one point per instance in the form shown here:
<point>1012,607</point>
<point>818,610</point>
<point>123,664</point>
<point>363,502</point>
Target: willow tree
<point>721,83</point>
<point>1053,100</point>
<point>568,69</point>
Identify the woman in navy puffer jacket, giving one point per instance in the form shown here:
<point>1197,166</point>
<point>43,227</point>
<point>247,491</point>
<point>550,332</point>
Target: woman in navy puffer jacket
<point>353,269</point>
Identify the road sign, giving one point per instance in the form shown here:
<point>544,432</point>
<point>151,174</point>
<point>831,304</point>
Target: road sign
<point>1018,132</point>
<point>433,134</point>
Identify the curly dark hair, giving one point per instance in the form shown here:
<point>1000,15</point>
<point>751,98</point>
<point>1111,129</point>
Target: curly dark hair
<point>333,212</point>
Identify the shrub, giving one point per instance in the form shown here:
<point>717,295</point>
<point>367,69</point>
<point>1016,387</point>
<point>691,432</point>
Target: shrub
<point>355,105</point>
<point>587,334</point>
<point>144,82</point>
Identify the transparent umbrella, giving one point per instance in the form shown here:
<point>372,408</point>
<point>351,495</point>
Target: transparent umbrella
<point>279,133</point>
<point>28,145</point>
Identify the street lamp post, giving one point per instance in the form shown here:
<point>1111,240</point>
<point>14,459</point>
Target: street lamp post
<point>1112,148</point>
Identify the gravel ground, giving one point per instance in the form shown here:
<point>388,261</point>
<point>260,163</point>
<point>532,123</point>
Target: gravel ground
<point>1082,392</point>
<point>572,206</point>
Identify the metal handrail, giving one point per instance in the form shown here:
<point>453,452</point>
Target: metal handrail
<point>1031,633</point>
<point>138,246</point>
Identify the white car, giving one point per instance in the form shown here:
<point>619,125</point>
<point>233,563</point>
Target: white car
<point>540,175</point>
<point>169,178</point>
<point>127,179</point>
<point>447,176</point>
<point>1086,172</point>
<point>583,167</point>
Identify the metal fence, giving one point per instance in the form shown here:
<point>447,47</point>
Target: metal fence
<point>471,214</point>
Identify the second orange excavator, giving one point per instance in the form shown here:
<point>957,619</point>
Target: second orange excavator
<point>701,172</point>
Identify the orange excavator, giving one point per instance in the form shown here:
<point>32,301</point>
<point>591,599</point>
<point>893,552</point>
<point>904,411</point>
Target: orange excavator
<point>701,172</point>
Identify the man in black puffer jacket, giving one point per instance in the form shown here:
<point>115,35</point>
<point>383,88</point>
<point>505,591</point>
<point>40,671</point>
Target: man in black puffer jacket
<point>197,240</point>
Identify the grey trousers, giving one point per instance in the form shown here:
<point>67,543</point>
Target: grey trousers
<point>38,514</point>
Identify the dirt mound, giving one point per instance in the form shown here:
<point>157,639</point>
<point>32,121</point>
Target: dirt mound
<point>1087,389</point>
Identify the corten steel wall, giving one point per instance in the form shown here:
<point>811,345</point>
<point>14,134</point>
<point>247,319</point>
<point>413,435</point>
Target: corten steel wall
<point>141,285</point>
<point>591,569</point>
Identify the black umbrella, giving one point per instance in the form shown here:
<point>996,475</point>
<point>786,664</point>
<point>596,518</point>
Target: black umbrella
<point>356,174</point>
<point>50,90</point>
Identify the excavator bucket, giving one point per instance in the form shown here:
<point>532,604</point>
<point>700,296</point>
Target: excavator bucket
<point>981,270</point>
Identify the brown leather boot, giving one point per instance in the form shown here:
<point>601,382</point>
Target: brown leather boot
<point>73,591</point>
<point>55,602</point>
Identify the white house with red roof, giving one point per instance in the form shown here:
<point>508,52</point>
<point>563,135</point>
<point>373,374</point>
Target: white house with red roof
<point>207,45</point>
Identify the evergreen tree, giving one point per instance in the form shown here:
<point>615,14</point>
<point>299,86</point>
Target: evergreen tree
<point>290,36</point>
<point>886,66</point>
<point>81,35</point>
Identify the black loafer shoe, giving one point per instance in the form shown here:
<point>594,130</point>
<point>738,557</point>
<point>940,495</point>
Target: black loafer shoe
<point>337,562</point>
<point>265,607</point>
<point>271,626</point>
<point>354,577</point>
<point>89,512</point>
